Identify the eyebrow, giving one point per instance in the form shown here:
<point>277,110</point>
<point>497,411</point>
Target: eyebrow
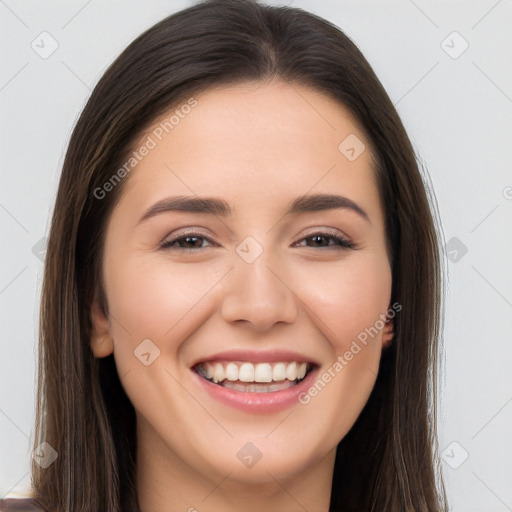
<point>220,207</point>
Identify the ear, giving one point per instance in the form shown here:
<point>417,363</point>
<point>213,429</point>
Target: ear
<point>102,343</point>
<point>388,333</point>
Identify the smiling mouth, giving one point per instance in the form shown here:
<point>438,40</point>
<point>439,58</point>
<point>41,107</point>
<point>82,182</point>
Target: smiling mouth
<point>254,377</point>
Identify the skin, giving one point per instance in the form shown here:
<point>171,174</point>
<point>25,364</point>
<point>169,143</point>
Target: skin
<point>258,146</point>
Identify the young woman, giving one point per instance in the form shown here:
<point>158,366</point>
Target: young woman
<point>241,298</point>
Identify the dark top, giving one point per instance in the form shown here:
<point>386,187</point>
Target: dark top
<point>21,505</point>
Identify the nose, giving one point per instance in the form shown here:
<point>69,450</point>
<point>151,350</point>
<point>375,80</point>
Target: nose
<point>258,293</point>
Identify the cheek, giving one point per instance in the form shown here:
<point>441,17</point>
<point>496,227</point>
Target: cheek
<point>348,298</point>
<point>144,291</point>
<point>152,298</point>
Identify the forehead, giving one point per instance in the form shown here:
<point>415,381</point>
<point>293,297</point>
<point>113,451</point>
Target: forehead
<point>254,141</point>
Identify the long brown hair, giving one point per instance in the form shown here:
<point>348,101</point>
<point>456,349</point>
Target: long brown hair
<point>387,462</point>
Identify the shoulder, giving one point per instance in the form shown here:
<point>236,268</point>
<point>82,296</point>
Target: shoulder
<point>21,505</point>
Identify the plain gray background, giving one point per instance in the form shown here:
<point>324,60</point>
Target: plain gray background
<point>456,104</point>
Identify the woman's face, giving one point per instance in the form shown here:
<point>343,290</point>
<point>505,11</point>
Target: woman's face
<point>251,288</point>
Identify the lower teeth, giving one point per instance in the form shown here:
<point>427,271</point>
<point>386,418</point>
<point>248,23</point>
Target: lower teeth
<point>256,387</point>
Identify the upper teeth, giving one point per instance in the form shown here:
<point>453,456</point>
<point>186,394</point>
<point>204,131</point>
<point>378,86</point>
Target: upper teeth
<point>249,372</point>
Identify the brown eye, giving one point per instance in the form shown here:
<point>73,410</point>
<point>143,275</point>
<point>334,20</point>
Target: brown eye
<point>321,240</point>
<point>189,242</point>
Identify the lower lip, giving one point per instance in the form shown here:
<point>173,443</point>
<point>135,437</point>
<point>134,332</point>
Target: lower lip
<point>258,402</point>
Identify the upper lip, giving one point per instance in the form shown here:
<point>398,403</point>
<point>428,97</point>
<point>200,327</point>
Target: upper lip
<point>257,356</point>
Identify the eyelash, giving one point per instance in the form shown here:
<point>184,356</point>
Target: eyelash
<point>342,242</point>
